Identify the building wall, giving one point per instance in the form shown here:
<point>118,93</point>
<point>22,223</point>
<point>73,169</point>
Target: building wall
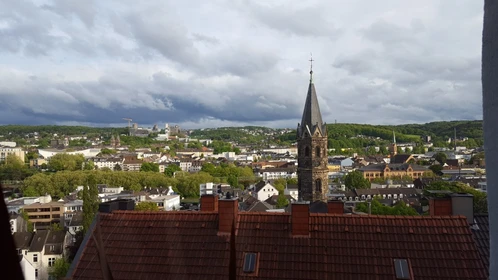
<point>312,168</point>
<point>6,151</point>
<point>266,192</point>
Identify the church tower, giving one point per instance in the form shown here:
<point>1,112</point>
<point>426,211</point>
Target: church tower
<point>312,157</point>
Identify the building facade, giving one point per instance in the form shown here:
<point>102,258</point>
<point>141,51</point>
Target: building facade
<point>312,150</point>
<point>6,151</point>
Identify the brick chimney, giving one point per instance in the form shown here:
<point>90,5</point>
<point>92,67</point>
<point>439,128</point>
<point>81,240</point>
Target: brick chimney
<point>228,210</point>
<point>335,207</point>
<point>440,206</point>
<point>209,203</point>
<point>300,219</point>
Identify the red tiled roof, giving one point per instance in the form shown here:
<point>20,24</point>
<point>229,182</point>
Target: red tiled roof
<point>187,245</point>
<point>358,247</point>
<point>158,245</point>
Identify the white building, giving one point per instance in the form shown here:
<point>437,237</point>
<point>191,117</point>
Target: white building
<point>28,270</point>
<point>208,188</point>
<point>101,162</point>
<point>167,202</point>
<point>264,190</point>
<point>276,173</point>
<point>87,153</point>
<point>292,190</point>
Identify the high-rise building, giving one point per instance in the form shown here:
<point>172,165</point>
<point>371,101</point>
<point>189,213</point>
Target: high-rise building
<point>312,150</point>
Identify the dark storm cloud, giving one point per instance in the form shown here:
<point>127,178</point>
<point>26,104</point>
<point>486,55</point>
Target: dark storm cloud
<point>228,63</point>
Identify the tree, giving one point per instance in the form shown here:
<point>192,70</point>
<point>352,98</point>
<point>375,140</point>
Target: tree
<point>89,165</point>
<point>377,208</point>
<point>90,201</point>
<point>13,168</point>
<point>280,184</point>
<point>282,201</point>
<point>355,180</point>
<point>149,167</point>
<point>24,214</point>
<point>436,169</point>
<point>65,161</point>
<point>441,157</point>
<point>60,268</point>
<point>171,169</point>
<point>147,206</point>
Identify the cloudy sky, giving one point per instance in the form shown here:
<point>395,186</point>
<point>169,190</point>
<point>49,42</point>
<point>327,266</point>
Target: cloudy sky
<point>238,62</point>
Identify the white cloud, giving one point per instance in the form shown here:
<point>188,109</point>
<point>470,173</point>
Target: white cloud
<point>238,62</point>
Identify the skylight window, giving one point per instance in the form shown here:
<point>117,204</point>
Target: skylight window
<point>402,269</point>
<point>250,263</point>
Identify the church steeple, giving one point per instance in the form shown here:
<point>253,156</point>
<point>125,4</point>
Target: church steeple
<point>312,118</point>
<point>312,150</point>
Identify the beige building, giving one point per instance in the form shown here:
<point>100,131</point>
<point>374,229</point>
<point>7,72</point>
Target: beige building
<point>44,214</point>
<point>6,151</point>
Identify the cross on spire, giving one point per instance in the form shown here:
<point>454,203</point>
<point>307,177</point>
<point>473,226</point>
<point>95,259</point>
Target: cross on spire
<point>311,67</point>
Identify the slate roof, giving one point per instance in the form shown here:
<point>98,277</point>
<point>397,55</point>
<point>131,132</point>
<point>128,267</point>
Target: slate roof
<point>22,239</point>
<point>158,245</point>
<point>186,245</point>
<point>259,206</point>
<point>260,185</point>
<point>38,241</point>
<point>311,113</point>
<point>481,235</point>
<point>55,242</point>
<point>400,158</point>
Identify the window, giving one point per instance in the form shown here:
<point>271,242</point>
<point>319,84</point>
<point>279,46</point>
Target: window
<point>249,263</point>
<point>35,258</point>
<point>51,262</point>
<point>307,151</point>
<point>317,151</point>
<point>318,185</point>
<point>401,269</point>
<point>36,273</point>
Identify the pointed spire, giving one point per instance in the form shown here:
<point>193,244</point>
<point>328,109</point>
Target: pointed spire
<point>311,69</point>
<point>312,118</point>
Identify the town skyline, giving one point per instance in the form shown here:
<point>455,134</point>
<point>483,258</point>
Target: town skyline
<point>96,63</point>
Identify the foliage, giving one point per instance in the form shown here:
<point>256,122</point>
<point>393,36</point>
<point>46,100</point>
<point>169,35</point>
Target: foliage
<point>60,269</point>
<point>30,226</point>
<point>231,174</point>
<point>355,180</point>
<point>63,161</point>
<point>377,208</point>
<point>436,169</point>
<point>90,201</point>
<point>146,206</point>
<point>149,167</point>
<point>61,183</point>
<point>280,184</point>
<point>441,157</point>
<point>13,168</point>
<point>188,184</point>
<point>89,165</point>
<point>106,151</point>
<point>171,169</point>
<point>56,227</point>
<point>480,198</point>
<point>476,158</point>
<point>282,201</point>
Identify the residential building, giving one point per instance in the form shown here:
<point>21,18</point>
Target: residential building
<point>44,214</point>
<point>208,188</point>
<point>374,171</point>
<point>37,162</point>
<point>312,150</point>
<point>5,151</point>
<point>292,190</point>
<point>17,223</point>
<point>132,164</point>
<point>108,162</point>
<point>263,190</point>
<point>277,173</point>
<point>40,249</point>
<point>167,202</point>
<point>70,209</point>
<point>196,166</point>
<point>268,245</point>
